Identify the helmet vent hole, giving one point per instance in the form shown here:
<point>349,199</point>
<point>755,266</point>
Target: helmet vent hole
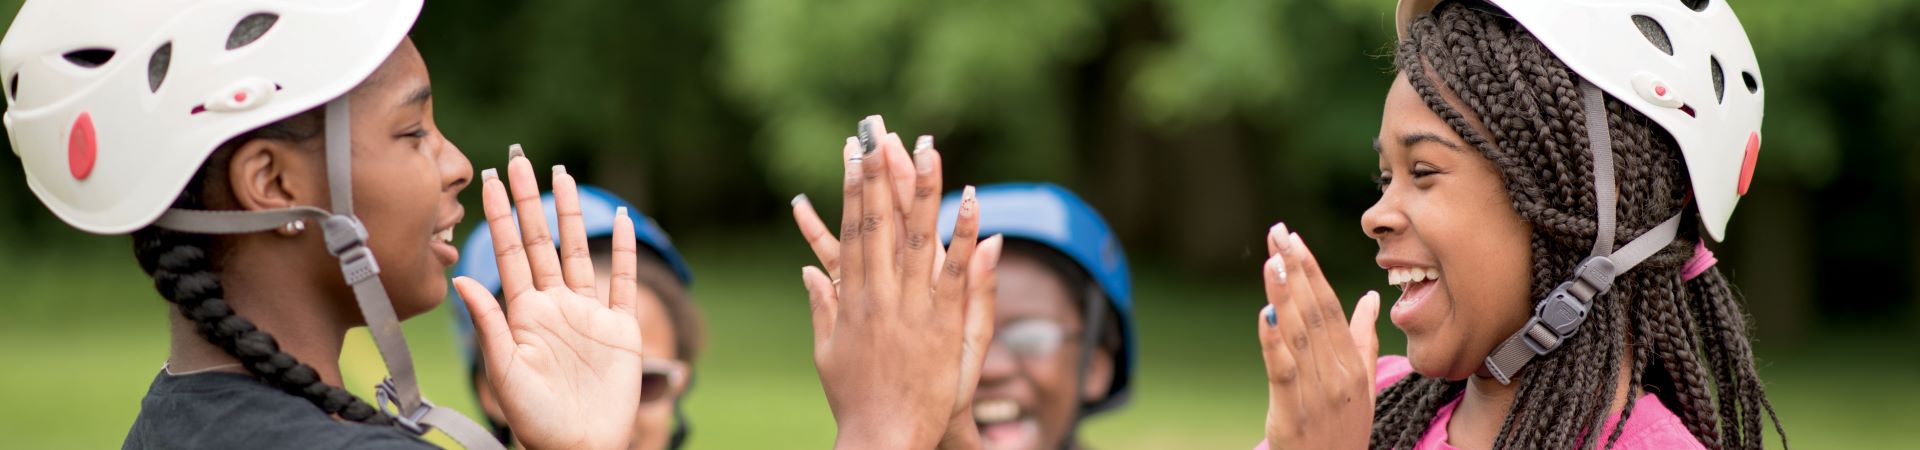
<point>13,86</point>
<point>157,66</point>
<point>90,57</point>
<point>1697,5</point>
<point>1753,84</point>
<point>250,29</point>
<point>1655,34</point>
<point>1719,80</point>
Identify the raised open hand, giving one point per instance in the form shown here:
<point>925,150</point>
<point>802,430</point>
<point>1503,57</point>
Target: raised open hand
<point>893,319</point>
<point>1319,366</point>
<point>565,364</point>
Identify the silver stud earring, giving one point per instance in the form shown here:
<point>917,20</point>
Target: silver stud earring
<point>293,228</point>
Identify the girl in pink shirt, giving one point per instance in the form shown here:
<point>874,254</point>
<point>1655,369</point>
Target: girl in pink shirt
<point>1550,173</point>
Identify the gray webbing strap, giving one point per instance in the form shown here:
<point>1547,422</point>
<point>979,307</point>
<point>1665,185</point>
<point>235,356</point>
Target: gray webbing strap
<point>1559,316</point>
<point>235,222</point>
<point>1595,104</point>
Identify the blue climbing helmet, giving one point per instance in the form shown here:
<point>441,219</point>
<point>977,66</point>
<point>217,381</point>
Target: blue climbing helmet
<point>596,213</point>
<point>1052,216</point>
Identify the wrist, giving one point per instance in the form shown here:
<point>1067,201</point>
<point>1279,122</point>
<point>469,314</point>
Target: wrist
<point>860,435</point>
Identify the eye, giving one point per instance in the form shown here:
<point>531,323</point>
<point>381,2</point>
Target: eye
<point>420,133</point>
<point>1381,180</point>
<point>1422,170</point>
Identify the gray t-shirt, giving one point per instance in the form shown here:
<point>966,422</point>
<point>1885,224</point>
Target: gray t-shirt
<point>219,410</point>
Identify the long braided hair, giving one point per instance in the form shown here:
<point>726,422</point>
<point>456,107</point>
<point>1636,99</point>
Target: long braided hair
<point>1687,339</point>
<point>186,270</point>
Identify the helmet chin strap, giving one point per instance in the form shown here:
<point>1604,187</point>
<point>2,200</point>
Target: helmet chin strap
<point>1557,317</point>
<point>346,239</point>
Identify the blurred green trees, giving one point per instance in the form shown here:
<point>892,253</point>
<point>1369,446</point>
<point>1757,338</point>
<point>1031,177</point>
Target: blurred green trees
<point>1191,123</point>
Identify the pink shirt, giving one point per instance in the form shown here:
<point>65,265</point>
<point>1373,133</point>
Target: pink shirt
<point>1652,425</point>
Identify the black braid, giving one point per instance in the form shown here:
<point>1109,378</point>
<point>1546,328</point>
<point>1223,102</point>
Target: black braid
<point>1686,340</point>
<point>185,270</point>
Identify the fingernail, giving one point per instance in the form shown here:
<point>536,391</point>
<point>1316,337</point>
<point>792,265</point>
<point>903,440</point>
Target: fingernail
<point>1277,234</point>
<point>799,200</point>
<point>922,162</point>
<point>514,151</point>
<point>924,143</point>
<point>1293,240</point>
<point>967,202</point>
<point>1267,313</point>
<point>559,170</point>
<point>619,211</point>
<point>868,132</point>
<point>490,174</point>
<point>1279,268</point>
<point>994,258</point>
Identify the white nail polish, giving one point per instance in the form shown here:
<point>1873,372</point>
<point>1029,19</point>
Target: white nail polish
<point>619,212</point>
<point>490,174</point>
<point>799,200</point>
<point>924,143</point>
<point>514,151</point>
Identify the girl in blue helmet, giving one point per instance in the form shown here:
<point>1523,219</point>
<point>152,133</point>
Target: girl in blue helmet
<point>1062,347</point>
<point>670,323</point>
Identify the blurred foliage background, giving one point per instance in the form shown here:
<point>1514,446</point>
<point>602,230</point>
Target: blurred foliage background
<point>1192,124</point>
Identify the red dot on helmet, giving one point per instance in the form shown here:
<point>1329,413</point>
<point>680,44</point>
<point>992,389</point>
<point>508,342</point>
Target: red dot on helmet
<point>1660,90</point>
<point>82,147</point>
<point>1746,166</point>
<point>240,96</point>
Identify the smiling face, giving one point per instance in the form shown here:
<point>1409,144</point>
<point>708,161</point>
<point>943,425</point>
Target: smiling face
<point>1026,398</point>
<point>406,176</point>
<point>1449,237</point>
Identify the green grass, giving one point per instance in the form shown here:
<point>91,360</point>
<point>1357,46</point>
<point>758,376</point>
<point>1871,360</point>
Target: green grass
<point>83,334</point>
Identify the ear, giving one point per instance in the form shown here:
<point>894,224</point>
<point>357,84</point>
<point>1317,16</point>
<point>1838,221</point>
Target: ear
<point>1099,376</point>
<point>271,174</point>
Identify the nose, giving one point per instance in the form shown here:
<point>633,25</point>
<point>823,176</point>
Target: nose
<point>1000,365</point>
<point>1385,217</point>
<point>455,169</point>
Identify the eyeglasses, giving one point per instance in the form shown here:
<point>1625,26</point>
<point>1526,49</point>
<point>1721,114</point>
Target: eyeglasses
<point>661,378</point>
<point>1031,338</point>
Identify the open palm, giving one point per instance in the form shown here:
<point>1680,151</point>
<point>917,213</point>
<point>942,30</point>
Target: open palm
<point>565,364</point>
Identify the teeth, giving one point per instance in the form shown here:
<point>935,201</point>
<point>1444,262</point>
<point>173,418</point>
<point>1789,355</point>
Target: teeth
<point>995,411</point>
<point>1405,276</point>
<point>444,236</point>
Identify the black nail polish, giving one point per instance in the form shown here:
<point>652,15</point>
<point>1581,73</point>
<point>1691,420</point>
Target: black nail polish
<point>867,138</point>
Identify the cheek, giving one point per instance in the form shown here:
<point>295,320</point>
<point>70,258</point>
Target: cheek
<point>1487,246</point>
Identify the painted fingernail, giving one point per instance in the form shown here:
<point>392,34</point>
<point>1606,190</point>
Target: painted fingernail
<point>924,143</point>
<point>514,151</point>
<point>967,202</point>
<point>1267,313</point>
<point>490,174</point>
<point>1276,235</point>
<point>619,211</point>
<point>868,133</point>
<point>1279,268</point>
<point>799,200</point>
<point>1293,240</point>
<point>559,171</point>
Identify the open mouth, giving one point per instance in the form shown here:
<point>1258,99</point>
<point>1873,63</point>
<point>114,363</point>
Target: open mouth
<point>1416,286</point>
<point>1005,425</point>
<point>443,249</point>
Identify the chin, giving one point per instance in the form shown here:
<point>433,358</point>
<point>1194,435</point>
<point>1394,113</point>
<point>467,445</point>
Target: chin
<point>1439,360</point>
<point>419,304</point>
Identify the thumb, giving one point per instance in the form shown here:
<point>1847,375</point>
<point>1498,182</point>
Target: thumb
<point>490,329</point>
<point>1365,314</point>
<point>824,297</point>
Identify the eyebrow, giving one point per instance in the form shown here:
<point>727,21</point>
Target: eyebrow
<point>1410,139</point>
<point>419,96</point>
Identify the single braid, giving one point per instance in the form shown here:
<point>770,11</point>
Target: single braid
<point>185,270</point>
<point>1686,341</point>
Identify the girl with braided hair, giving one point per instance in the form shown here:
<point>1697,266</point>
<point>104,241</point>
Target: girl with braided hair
<point>1519,142</point>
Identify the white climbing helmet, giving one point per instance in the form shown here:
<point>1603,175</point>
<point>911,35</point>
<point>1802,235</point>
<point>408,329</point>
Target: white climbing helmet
<point>114,105</point>
<point>1703,86</point>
